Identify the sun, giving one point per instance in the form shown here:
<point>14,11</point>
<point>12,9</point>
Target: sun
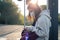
<point>33,1</point>
<point>40,2</point>
<point>21,6</point>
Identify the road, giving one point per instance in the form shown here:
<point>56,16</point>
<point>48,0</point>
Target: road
<point>10,32</point>
<point>13,32</point>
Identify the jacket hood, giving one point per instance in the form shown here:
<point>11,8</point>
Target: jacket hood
<point>46,13</point>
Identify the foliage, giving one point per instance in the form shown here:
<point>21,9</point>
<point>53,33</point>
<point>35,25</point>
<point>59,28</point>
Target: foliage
<point>9,14</point>
<point>59,18</point>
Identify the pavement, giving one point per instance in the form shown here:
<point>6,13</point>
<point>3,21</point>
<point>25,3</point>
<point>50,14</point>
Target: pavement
<point>10,32</point>
<point>13,32</point>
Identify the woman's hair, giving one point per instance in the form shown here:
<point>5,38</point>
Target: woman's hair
<point>36,12</point>
<point>27,1</point>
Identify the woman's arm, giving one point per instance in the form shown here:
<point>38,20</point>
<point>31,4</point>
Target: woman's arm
<point>41,28</point>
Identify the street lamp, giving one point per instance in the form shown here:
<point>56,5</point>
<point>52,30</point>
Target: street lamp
<point>19,0</point>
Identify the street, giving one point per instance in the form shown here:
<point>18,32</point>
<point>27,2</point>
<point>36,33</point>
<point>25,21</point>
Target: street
<point>13,32</point>
<point>10,32</point>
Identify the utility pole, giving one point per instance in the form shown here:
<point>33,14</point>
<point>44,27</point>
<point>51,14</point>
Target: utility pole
<point>53,6</point>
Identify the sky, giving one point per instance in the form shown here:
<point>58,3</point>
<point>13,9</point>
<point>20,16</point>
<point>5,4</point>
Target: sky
<point>20,5</point>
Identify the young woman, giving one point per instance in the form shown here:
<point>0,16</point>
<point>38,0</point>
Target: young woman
<point>41,23</point>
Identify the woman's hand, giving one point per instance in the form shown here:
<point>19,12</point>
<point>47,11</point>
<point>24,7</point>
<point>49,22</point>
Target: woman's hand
<point>27,28</point>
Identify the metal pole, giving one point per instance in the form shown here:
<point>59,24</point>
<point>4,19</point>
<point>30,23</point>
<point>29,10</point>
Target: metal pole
<point>53,6</point>
<point>24,13</point>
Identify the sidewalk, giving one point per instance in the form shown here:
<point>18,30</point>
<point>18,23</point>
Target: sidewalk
<point>7,29</point>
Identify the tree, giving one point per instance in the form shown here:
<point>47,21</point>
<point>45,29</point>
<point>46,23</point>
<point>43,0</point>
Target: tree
<point>9,14</point>
<point>59,18</point>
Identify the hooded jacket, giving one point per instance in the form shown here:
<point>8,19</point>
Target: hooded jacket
<point>42,25</point>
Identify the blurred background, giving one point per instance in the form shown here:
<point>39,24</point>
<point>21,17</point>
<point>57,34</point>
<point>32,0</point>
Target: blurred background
<point>12,18</point>
<point>10,13</point>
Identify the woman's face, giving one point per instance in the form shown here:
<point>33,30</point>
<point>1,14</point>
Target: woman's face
<point>34,10</point>
<point>31,7</point>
